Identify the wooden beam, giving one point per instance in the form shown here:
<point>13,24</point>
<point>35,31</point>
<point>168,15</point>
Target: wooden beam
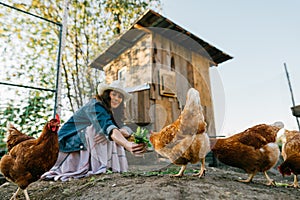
<point>140,27</point>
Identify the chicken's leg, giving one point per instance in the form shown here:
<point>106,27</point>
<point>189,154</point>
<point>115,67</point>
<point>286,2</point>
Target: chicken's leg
<point>202,169</point>
<point>180,174</point>
<point>15,194</point>
<point>249,178</point>
<point>26,194</point>
<point>295,184</point>
<point>270,181</point>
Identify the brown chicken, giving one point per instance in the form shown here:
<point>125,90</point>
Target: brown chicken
<point>291,154</point>
<point>253,150</point>
<point>184,141</point>
<point>29,158</point>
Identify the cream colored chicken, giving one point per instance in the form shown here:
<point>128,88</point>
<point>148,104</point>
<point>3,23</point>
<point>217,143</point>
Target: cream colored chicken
<point>185,140</point>
<point>290,152</point>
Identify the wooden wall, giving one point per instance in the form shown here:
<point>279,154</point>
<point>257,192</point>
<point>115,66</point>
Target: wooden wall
<point>137,60</point>
<point>191,69</point>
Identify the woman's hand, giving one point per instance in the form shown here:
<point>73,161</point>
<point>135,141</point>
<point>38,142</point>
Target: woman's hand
<point>124,133</point>
<point>100,138</point>
<point>136,149</point>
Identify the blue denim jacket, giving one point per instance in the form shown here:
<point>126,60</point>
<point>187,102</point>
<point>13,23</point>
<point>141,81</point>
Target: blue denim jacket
<point>71,136</point>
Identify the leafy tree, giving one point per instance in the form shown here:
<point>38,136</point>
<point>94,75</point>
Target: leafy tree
<point>91,26</point>
<point>29,114</point>
<point>28,52</point>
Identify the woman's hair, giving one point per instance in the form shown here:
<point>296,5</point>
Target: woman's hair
<point>117,113</point>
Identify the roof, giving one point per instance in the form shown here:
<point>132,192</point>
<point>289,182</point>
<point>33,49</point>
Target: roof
<point>153,21</point>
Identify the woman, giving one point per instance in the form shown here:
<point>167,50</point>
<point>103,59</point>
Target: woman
<point>93,139</point>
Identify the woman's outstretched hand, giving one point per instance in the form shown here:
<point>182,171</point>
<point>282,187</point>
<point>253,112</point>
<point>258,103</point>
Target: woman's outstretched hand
<point>124,133</point>
<point>136,149</point>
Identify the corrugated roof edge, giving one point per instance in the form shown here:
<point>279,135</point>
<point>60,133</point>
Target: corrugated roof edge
<point>216,55</point>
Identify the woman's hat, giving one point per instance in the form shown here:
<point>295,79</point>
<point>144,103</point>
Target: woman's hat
<point>116,86</point>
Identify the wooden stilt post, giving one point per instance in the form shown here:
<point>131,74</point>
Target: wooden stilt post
<point>291,91</point>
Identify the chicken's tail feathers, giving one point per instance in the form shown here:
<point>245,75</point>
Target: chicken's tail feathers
<point>278,124</point>
<point>10,127</point>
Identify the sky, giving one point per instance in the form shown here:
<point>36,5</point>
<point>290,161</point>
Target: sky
<point>252,88</point>
<point>261,36</point>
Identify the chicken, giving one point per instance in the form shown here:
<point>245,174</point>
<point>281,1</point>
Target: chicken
<point>283,137</point>
<point>27,160</point>
<point>253,150</point>
<point>184,141</point>
<point>291,154</point>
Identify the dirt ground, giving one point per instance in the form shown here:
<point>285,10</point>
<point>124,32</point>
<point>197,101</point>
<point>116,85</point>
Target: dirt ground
<point>154,182</point>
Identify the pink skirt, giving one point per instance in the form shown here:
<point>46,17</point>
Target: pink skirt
<point>97,159</point>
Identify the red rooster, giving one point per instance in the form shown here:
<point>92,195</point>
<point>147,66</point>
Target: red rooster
<point>29,158</point>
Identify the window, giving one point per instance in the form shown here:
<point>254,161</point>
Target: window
<point>167,83</point>
<point>172,64</point>
<point>122,74</point>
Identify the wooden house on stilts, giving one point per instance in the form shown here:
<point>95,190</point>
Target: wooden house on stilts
<point>158,61</point>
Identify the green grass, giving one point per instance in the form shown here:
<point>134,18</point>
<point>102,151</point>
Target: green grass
<point>168,171</point>
<point>282,184</point>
